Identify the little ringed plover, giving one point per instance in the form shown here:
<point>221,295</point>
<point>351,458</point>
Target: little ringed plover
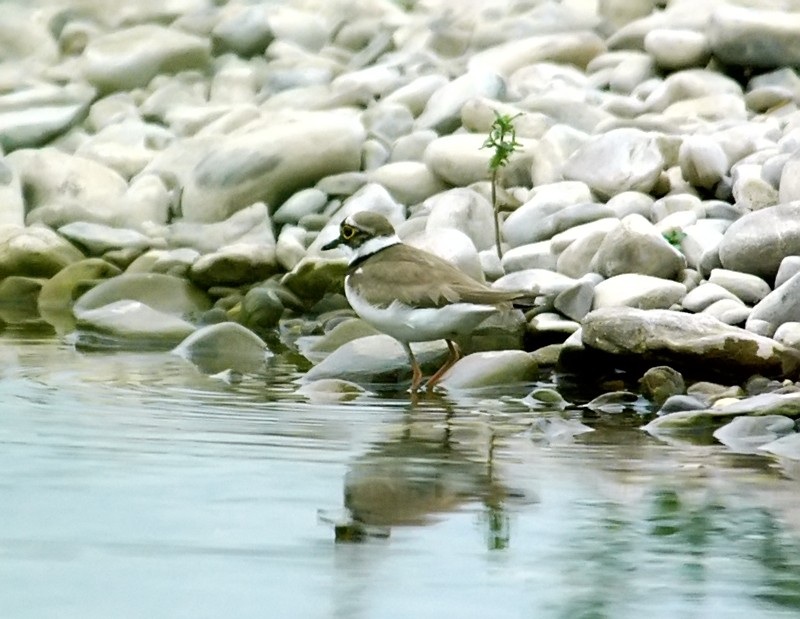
<point>409,293</point>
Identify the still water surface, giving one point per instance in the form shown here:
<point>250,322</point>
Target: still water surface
<point>133,486</point>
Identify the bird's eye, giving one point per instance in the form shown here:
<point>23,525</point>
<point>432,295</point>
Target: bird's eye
<point>348,232</point>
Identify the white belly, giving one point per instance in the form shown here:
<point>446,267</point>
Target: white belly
<point>408,324</point>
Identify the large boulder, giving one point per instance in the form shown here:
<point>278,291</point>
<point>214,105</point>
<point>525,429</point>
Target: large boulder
<point>697,345</point>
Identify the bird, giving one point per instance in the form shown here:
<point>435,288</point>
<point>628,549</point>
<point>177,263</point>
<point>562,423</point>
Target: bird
<point>411,294</point>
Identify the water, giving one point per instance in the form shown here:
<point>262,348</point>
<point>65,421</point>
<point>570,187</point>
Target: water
<point>133,486</point>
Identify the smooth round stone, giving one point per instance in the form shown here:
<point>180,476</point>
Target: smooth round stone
<point>691,84</point>
<point>785,447</point>
<point>35,115</point>
<point>679,403</point>
<point>60,291</point>
<point>236,264</point>
<point>245,32</point>
<point>163,293</point>
<point>754,37</point>
<point>491,264</point>
<point>638,291</point>
<point>249,225</point>
<point>62,188</point>
<point>529,223</point>
<point>616,161</point>
<point>313,277</point>
<point>460,160</point>
<point>531,256</point>
<point>629,203</point>
<point>12,205</point>
<point>416,94</point>
<point>126,147</point>
<point>536,282</point>
<point>236,82</point>
<point>304,202</point>
<point>374,154</point>
<point>452,245</point>
<point>563,240</point>
<point>636,246</point>
<point>224,346</point>
<point>675,49</point>
<point>789,187</point>
<point>681,422</point>
<point>746,287</point>
<point>377,359</point>
<point>18,295</point>
<point>409,182</point>
<point>636,68</point>
<point>35,251</point>
<point>716,107</point>
<point>729,311</point>
<point>344,332</point>
<point>556,430</point>
<point>331,390</point>
<point>681,203</point>
<point>762,404</point>
<point>342,183</point>
<point>490,369</point>
<point>129,58</point>
<point>478,116</point>
<point>134,322</point>
<point>463,209</point>
<point>569,48</point>
<point>549,323</point>
<point>170,261</point>
<point>290,247</point>
<point>699,298</point>
<point>411,147</point>
<point>789,266</point>
<point>758,242</point>
<point>269,161</point>
<point>575,302</point>
<point>779,306</point>
<point>352,87</point>
<point>387,121</point>
<point>97,239</point>
<point>660,383</point>
<point>552,151</point>
<point>442,112</point>
<point>788,334</point>
<point>702,160</point>
<point>764,99</point>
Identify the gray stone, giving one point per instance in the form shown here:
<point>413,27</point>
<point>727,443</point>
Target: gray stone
<point>746,287</point>
<point>703,162</point>
<point>576,259</point>
<point>290,247</point>
<point>127,323</point>
<point>693,344</point>
<point>616,161</point>
<point>490,369</point>
<point>409,182</point>
<point>691,84</point>
<point>128,58</point>
<point>779,306</point>
<point>758,242</point>
<point>304,202</point>
<point>748,434</point>
<point>698,299</point>
<point>234,265</point>
<point>636,246</point>
<point>12,205</point>
<point>536,282</point>
<point>789,266</point>
<point>638,291</point>
<point>416,94</point>
<point>248,225</point>
<point>629,203</point>
<point>35,115</point>
<point>729,311</point>
<point>226,346</point>
<point>331,390</point>
<point>270,160</point>
<point>754,37</point>
<point>674,49</point>
<point>463,209</point>
<point>35,251</point>
<point>575,302</point>
<point>660,383</point>
<point>245,32</point>
<point>552,152</point>
<point>788,334</point>
<point>97,239</point>
<point>750,190</point>
<point>531,256</point>
<point>785,447</point>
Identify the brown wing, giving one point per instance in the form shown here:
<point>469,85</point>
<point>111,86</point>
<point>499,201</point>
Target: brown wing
<point>405,273</point>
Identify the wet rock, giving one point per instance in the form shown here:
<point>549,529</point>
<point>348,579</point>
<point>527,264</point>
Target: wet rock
<point>748,434</point>
<point>60,291</point>
<point>693,344</point>
<point>35,251</point>
<point>312,278</point>
<point>262,308</point>
<point>787,404</point>
<point>682,422</point>
<point>346,331</point>
<point>488,369</point>
<point>784,447</point>
<point>245,31</point>
<point>555,430</point>
<point>164,293</point>
<point>240,263</point>
<point>660,383</point>
<point>331,390</point>
<point>224,346</point>
<point>129,58</point>
<point>616,402</point>
<point>127,322</point>
<point>616,161</point>
<point>377,359</point>
<point>96,239</point>
<point>679,403</point>
<point>545,399</point>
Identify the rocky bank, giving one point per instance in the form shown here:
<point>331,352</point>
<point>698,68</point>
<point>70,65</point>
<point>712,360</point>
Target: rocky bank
<point>170,170</point>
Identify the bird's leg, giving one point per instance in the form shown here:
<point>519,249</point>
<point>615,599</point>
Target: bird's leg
<point>416,372</point>
<point>455,355</point>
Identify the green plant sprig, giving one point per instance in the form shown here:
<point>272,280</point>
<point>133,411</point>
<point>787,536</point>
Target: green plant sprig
<point>503,139</point>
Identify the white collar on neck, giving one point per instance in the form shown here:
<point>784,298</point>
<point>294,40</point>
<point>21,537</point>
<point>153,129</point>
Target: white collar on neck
<point>373,246</point>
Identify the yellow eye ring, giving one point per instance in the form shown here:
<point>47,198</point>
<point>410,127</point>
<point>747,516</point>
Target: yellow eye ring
<point>348,232</point>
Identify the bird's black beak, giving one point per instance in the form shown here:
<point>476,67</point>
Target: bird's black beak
<point>334,243</point>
